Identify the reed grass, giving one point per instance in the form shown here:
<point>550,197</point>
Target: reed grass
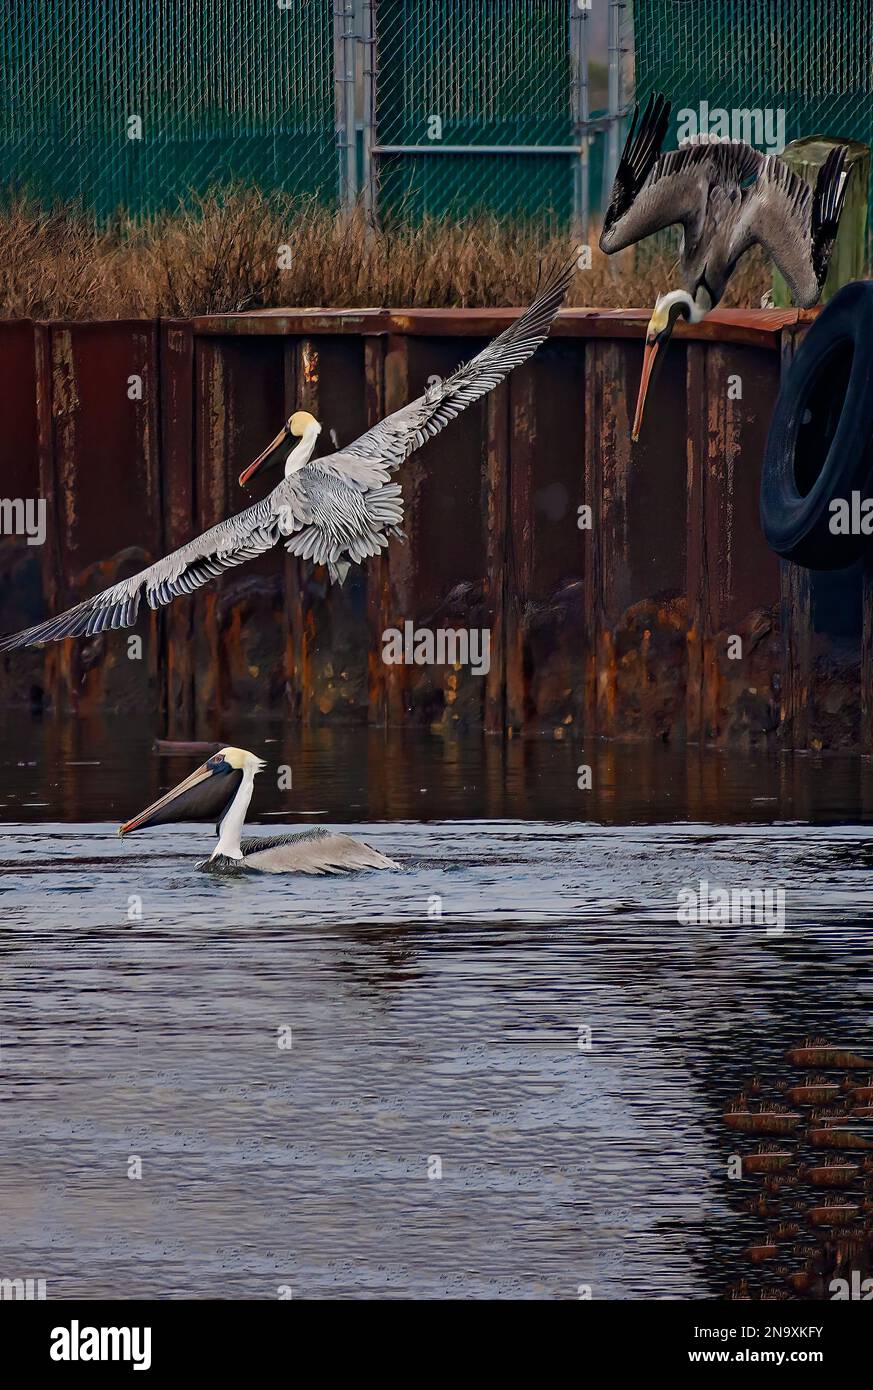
<point>224,253</point>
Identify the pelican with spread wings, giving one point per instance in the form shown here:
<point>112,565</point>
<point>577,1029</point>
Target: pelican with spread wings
<point>727,197</point>
<point>335,510</point>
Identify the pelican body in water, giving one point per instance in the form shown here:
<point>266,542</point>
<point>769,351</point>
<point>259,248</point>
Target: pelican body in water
<point>221,789</point>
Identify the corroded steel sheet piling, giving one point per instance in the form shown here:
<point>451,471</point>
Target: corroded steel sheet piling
<point>239,636</point>
<point>626,589</point>
<point>496,507</point>
<point>436,580</point>
<point>178,484</point>
<point>734,655</point>
<point>100,477</point>
<point>543,543</point>
<point>22,347</point>
<point>635,568</point>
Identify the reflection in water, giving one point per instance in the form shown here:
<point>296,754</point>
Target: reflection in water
<point>95,770</point>
<point>437,1013</point>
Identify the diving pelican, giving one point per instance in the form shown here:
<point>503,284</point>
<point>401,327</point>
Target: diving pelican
<point>727,196</point>
<point>221,789</point>
<point>333,510</point>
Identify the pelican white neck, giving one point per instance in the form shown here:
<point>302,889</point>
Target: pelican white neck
<point>686,306</point>
<point>302,452</point>
<point>232,822</point>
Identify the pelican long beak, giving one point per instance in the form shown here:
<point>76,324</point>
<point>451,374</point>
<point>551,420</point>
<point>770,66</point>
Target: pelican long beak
<point>267,457</point>
<point>653,355</point>
<point>160,811</point>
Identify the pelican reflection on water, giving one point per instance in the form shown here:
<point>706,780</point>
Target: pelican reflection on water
<point>221,789</point>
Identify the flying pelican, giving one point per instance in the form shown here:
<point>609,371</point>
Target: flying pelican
<point>727,197</point>
<point>221,789</point>
<point>332,510</point>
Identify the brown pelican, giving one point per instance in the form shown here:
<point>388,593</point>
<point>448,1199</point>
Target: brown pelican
<point>221,790</point>
<point>332,510</point>
<point>727,197</point>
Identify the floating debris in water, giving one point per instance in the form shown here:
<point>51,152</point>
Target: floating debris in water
<point>814,1247</point>
<point>168,747</point>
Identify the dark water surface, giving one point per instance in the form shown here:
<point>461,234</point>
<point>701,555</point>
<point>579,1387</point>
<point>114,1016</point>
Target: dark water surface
<point>142,1004</point>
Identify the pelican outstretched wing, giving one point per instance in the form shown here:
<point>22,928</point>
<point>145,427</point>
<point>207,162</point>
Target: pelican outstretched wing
<point>383,448</point>
<point>302,507</point>
<point>354,505</point>
<point>230,543</point>
<point>653,190</point>
<point>795,224</point>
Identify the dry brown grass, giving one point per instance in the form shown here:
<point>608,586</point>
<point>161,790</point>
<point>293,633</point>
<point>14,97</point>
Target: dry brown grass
<point>221,255</point>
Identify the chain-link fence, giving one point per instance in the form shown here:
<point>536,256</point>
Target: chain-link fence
<point>441,107</point>
<point>133,103</point>
<point>780,69</point>
<point>445,107</point>
<point>468,95</point>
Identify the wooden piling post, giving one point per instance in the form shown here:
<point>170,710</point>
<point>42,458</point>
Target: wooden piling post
<point>806,157</point>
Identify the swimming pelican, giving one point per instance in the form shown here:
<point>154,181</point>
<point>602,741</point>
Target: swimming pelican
<point>727,197</point>
<point>333,510</point>
<point>221,789</point>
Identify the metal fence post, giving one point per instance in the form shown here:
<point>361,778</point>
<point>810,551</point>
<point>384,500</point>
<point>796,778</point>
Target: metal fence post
<point>344,69</point>
<point>579,12</point>
<point>339,105</point>
<point>610,164</point>
<point>369,77</point>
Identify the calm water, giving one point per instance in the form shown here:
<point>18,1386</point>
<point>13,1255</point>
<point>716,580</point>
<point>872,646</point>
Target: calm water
<point>415,1038</point>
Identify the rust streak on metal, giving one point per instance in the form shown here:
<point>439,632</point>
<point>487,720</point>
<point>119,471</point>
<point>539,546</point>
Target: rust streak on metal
<point>377,573</point>
<point>399,594</point>
<point>697,582</point>
<point>66,402</point>
<point>496,487</point>
<point>178,515</point>
<point>210,493</point>
<point>519,544</point>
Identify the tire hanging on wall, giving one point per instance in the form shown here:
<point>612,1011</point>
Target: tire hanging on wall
<point>819,443</point>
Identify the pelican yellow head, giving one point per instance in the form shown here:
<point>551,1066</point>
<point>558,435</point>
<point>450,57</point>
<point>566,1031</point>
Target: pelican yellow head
<point>301,421</point>
<point>204,795</point>
<point>301,425</point>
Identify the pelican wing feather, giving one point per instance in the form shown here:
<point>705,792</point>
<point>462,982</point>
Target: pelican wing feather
<point>794,223</point>
<point>316,851</point>
<point>678,189</point>
<point>384,447</point>
<point>239,538</point>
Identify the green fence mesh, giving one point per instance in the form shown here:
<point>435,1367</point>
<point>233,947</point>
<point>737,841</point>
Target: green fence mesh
<point>463,72</point>
<point>222,88</point>
<point>137,103</point>
<point>811,59</point>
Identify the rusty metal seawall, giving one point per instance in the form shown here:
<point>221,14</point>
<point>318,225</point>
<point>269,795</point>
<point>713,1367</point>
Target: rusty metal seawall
<point>621,629</point>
